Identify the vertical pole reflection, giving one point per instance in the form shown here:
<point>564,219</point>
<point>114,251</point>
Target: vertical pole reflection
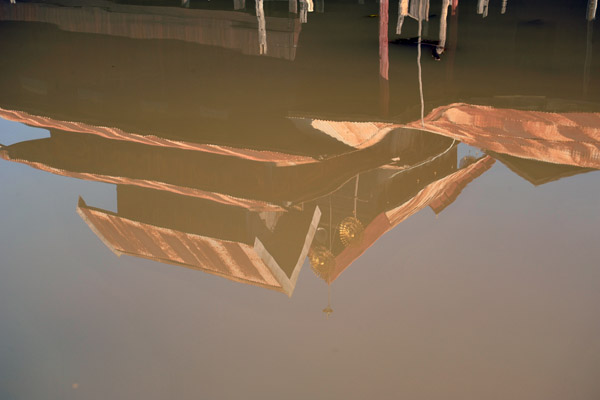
<point>591,11</point>
<point>239,4</point>
<point>591,15</point>
<point>320,6</point>
<point>422,13</point>
<point>402,12</point>
<point>262,30</point>
<point>293,6</point>
<point>451,46</point>
<point>443,27</point>
<point>420,74</point>
<point>482,7</point>
<point>587,66</point>
<point>384,61</point>
<point>383,39</point>
<point>303,11</point>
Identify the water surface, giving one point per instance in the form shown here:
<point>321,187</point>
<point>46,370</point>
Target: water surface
<point>273,199</point>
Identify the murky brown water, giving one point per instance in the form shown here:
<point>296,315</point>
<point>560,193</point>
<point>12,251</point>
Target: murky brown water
<point>427,212</point>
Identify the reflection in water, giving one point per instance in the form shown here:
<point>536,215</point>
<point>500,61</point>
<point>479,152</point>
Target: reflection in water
<point>402,12</point>
<point>566,138</point>
<point>482,7</point>
<point>259,211</point>
<point>262,31</point>
<point>591,15</point>
<point>226,29</point>
<point>194,189</point>
<point>443,28</point>
<point>591,12</point>
<point>245,141</point>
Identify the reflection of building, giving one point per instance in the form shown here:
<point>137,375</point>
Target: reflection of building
<point>245,220</point>
<point>252,216</point>
<point>227,29</point>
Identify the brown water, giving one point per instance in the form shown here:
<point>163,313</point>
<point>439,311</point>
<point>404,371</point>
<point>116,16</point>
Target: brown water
<point>297,200</point>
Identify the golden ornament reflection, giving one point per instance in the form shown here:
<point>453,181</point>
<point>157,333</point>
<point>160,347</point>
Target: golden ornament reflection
<point>322,261</point>
<point>350,230</point>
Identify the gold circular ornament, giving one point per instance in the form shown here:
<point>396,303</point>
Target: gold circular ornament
<point>350,230</point>
<point>322,261</point>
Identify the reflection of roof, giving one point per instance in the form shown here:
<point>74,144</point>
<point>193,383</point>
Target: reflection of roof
<point>566,138</point>
<point>457,184</point>
<point>538,172</point>
<point>151,184</point>
<point>436,193</point>
<point>236,261</point>
<point>355,134</point>
<point>227,29</point>
<point>278,158</point>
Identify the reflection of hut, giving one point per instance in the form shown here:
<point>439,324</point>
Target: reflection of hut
<point>265,215</point>
<point>226,29</point>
